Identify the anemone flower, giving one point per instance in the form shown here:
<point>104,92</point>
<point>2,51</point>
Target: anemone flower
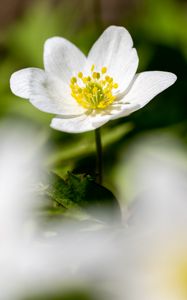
<point>86,92</point>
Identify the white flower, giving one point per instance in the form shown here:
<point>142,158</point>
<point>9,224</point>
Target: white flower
<point>87,92</point>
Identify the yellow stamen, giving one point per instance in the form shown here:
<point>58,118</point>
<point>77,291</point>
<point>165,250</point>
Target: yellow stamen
<point>115,86</point>
<point>73,79</point>
<point>95,91</point>
<point>92,68</point>
<point>103,70</point>
<point>80,75</point>
<point>94,75</point>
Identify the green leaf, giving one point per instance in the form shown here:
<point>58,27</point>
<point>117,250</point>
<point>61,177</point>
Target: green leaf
<point>81,195</point>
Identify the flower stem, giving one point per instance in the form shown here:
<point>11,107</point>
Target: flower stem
<point>99,166</point>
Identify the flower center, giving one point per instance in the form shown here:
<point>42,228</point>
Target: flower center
<point>94,91</point>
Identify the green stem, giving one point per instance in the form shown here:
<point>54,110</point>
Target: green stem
<point>99,165</point>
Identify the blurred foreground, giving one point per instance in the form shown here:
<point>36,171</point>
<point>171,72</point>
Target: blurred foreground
<point>143,256</point>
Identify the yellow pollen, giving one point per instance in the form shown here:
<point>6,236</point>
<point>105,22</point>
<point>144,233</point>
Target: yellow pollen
<point>92,68</point>
<point>94,75</point>
<point>98,75</point>
<point>73,79</point>
<point>80,75</point>
<point>103,70</point>
<point>115,86</point>
<point>94,91</point>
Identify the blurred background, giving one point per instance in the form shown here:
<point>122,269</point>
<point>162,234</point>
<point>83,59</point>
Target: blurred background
<point>159,31</point>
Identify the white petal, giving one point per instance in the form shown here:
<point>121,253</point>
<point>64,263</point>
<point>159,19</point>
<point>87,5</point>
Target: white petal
<point>147,85</point>
<point>125,110</point>
<point>114,50</point>
<point>48,94</point>
<point>62,58</point>
<point>79,124</point>
<point>20,81</point>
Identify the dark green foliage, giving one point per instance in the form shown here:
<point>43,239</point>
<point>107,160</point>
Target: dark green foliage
<point>73,295</point>
<point>81,193</point>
